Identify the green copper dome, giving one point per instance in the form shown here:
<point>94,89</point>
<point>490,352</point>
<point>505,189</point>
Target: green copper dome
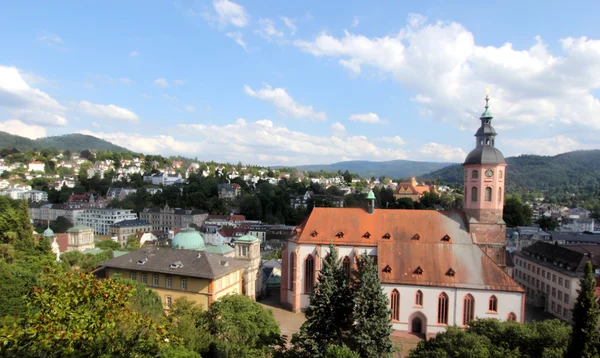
<point>188,239</point>
<point>48,232</point>
<point>371,195</point>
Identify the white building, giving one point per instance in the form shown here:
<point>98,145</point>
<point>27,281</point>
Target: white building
<point>550,274</point>
<point>36,196</point>
<point>36,166</point>
<point>100,220</point>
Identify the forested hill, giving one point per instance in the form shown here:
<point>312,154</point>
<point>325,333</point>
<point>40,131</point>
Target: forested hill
<point>393,169</point>
<point>74,142</point>
<point>563,174</point>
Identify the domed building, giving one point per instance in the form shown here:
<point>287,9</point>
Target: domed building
<point>188,239</point>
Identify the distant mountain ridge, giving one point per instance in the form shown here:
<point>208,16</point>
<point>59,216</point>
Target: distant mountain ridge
<point>74,142</point>
<point>566,172</point>
<point>392,169</point>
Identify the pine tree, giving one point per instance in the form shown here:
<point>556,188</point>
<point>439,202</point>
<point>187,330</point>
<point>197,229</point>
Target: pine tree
<point>329,314</point>
<point>584,338</point>
<point>372,328</point>
<point>23,230</point>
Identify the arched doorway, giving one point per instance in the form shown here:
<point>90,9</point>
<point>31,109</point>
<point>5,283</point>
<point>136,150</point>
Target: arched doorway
<point>418,324</point>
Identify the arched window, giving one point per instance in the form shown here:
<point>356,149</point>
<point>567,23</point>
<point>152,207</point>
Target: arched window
<point>466,173</point>
<point>487,141</point>
<point>488,194</point>
<point>347,266</point>
<point>395,305</point>
<point>293,271</point>
<point>500,174</point>
<point>500,194</point>
<point>474,193</point>
<point>493,304</point>
<point>442,309</point>
<point>419,298</point>
<point>309,274</point>
<point>468,309</point>
<point>512,317</point>
<point>474,174</point>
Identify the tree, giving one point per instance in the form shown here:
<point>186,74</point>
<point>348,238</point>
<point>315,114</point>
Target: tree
<point>241,327</point>
<point>132,243</point>
<point>339,351</point>
<point>371,331</point>
<point>585,337</point>
<point>329,315</point>
<point>405,203</point>
<point>548,223</point>
<point>74,314</point>
<point>516,213</point>
<point>108,245</point>
<point>60,225</point>
<point>347,177</point>
<point>16,281</point>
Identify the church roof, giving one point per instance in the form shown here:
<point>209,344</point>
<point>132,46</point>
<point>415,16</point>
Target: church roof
<point>176,262</point>
<point>485,155</point>
<point>434,241</point>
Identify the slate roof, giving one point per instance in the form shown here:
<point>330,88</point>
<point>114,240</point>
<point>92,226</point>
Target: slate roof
<point>194,263</point>
<point>485,155</point>
<point>572,257</point>
<point>131,223</point>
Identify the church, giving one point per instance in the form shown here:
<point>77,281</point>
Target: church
<point>438,268</point>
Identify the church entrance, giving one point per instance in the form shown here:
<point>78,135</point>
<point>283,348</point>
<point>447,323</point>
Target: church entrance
<point>416,326</point>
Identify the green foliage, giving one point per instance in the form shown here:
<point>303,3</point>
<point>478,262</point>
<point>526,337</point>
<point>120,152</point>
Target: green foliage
<point>132,243</point>
<point>492,338</point>
<point>585,339</point>
<point>144,301</point>
<point>16,281</point>
<point>339,351</point>
<point>515,212</point>
<point>329,315</point>
<point>75,315</point>
<point>241,327</point>
<point>187,321</point>
<point>548,223</point>
<point>108,245</point>
<point>371,331</point>
<point>75,142</point>
<point>274,255</point>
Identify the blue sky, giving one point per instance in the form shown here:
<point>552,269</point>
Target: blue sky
<point>278,82</point>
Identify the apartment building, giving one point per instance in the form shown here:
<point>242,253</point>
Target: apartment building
<point>100,219</point>
<point>124,229</point>
<point>550,274</point>
<point>169,219</point>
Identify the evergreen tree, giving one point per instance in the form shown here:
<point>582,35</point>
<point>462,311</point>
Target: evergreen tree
<point>372,328</point>
<point>23,230</point>
<point>585,339</point>
<point>329,315</point>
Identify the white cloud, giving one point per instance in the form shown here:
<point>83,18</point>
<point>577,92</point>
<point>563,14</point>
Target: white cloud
<point>16,127</point>
<point>441,152</point>
<point>50,39</point>
<point>394,140</point>
<point>26,104</point>
<point>355,21</point>
<point>109,111</point>
<point>449,72</point>
<point>159,144</point>
<point>545,146</point>
<point>371,118</point>
<point>268,30</point>
<point>190,108</point>
<point>161,82</point>
<point>238,38</point>
<point>169,97</point>
<point>125,81</point>
<point>285,103</point>
<point>134,54</point>
<point>95,124</point>
<point>338,130</point>
<point>290,24</point>
<point>178,82</point>
<point>230,13</point>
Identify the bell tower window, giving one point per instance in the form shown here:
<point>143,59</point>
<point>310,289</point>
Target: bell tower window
<point>474,193</point>
<point>488,194</point>
<point>474,174</point>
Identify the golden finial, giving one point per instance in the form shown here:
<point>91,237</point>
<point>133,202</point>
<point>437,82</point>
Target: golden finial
<point>487,91</point>
<point>487,97</point>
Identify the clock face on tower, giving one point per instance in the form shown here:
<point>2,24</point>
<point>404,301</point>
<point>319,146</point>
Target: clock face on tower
<point>489,173</point>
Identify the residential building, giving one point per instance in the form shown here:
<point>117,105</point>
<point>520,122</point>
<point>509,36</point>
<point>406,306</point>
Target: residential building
<point>119,193</point>
<point>566,238</point>
<point>124,229</point>
<point>168,219</point>
<point>229,191</point>
<point>36,166</point>
<point>42,213</point>
<point>412,190</point>
<point>36,196</point>
<point>438,268</point>
<point>100,220</point>
<point>550,274</point>
<point>578,225</point>
<point>164,178</point>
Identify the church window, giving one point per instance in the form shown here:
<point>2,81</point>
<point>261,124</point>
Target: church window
<point>488,194</point>
<point>474,174</point>
<point>493,304</point>
<point>442,317</point>
<point>487,141</point>
<point>419,298</point>
<point>395,303</point>
<point>309,274</point>
<point>466,173</point>
<point>468,309</point>
<point>512,317</point>
<point>346,264</point>
<point>474,193</point>
<point>500,194</point>
<point>293,271</point>
<point>500,174</point>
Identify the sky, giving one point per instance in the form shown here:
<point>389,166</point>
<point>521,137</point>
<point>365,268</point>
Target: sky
<point>303,82</point>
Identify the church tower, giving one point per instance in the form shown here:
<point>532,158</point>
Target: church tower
<point>485,174</point>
